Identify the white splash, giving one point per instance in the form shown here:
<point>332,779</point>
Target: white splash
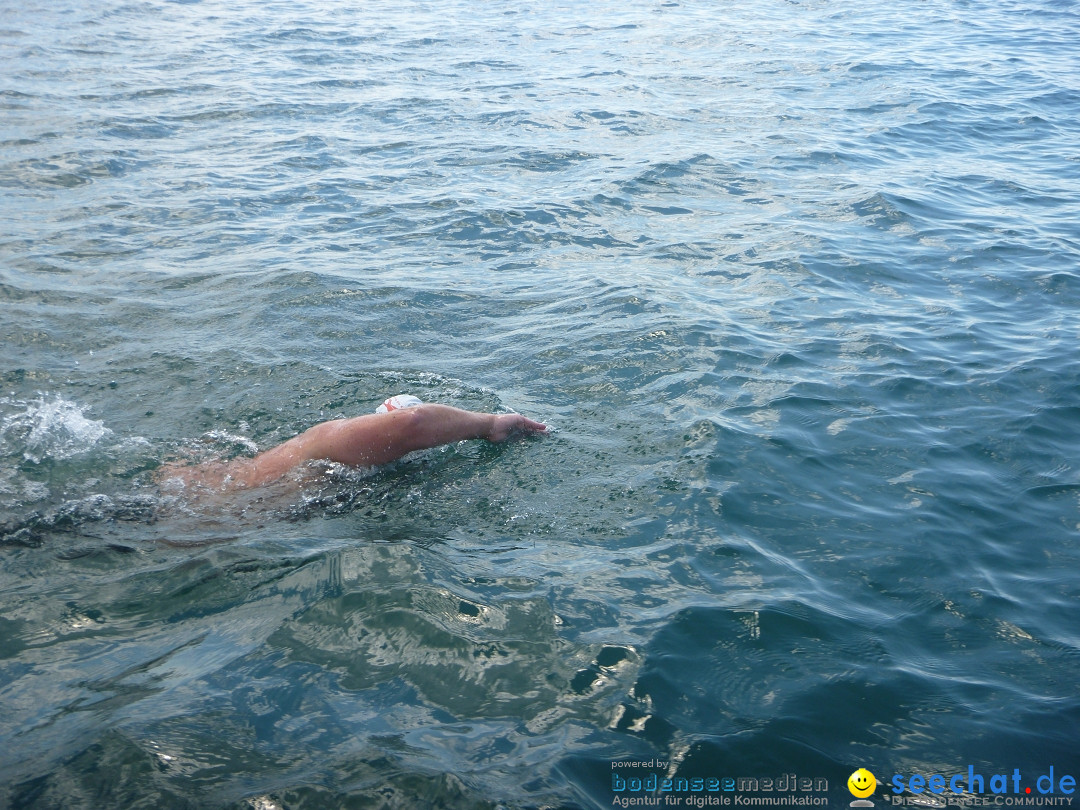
<point>44,428</point>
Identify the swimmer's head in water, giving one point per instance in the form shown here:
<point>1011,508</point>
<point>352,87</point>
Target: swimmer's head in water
<point>398,402</point>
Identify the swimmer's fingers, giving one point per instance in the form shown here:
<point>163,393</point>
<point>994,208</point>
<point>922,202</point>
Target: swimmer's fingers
<point>531,425</point>
<point>506,425</point>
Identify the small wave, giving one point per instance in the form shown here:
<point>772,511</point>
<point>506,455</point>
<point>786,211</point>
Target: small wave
<point>43,428</point>
<point>73,515</point>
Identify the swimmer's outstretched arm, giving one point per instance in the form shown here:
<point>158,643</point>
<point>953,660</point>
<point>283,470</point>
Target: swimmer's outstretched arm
<point>379,438</point>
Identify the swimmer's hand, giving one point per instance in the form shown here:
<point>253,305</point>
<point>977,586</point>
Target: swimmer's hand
<point>505,425</point>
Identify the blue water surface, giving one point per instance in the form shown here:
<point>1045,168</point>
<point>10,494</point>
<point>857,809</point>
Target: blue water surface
<point>796,285</point>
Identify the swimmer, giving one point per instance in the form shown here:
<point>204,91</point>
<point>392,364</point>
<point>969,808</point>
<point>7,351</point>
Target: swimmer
<point>361,441</point>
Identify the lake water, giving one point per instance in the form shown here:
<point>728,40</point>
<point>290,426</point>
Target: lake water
<point>796,285</point>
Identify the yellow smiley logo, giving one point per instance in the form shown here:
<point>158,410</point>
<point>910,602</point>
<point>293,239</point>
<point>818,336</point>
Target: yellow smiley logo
<point>861,783</point>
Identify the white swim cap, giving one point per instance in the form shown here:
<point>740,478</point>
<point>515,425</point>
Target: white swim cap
<point>398,402</point>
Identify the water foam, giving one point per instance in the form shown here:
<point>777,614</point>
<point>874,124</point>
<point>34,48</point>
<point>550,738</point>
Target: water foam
<point>45,428</point>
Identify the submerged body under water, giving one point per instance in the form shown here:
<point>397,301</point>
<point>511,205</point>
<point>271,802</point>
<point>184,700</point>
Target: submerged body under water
<point>794,283</point>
